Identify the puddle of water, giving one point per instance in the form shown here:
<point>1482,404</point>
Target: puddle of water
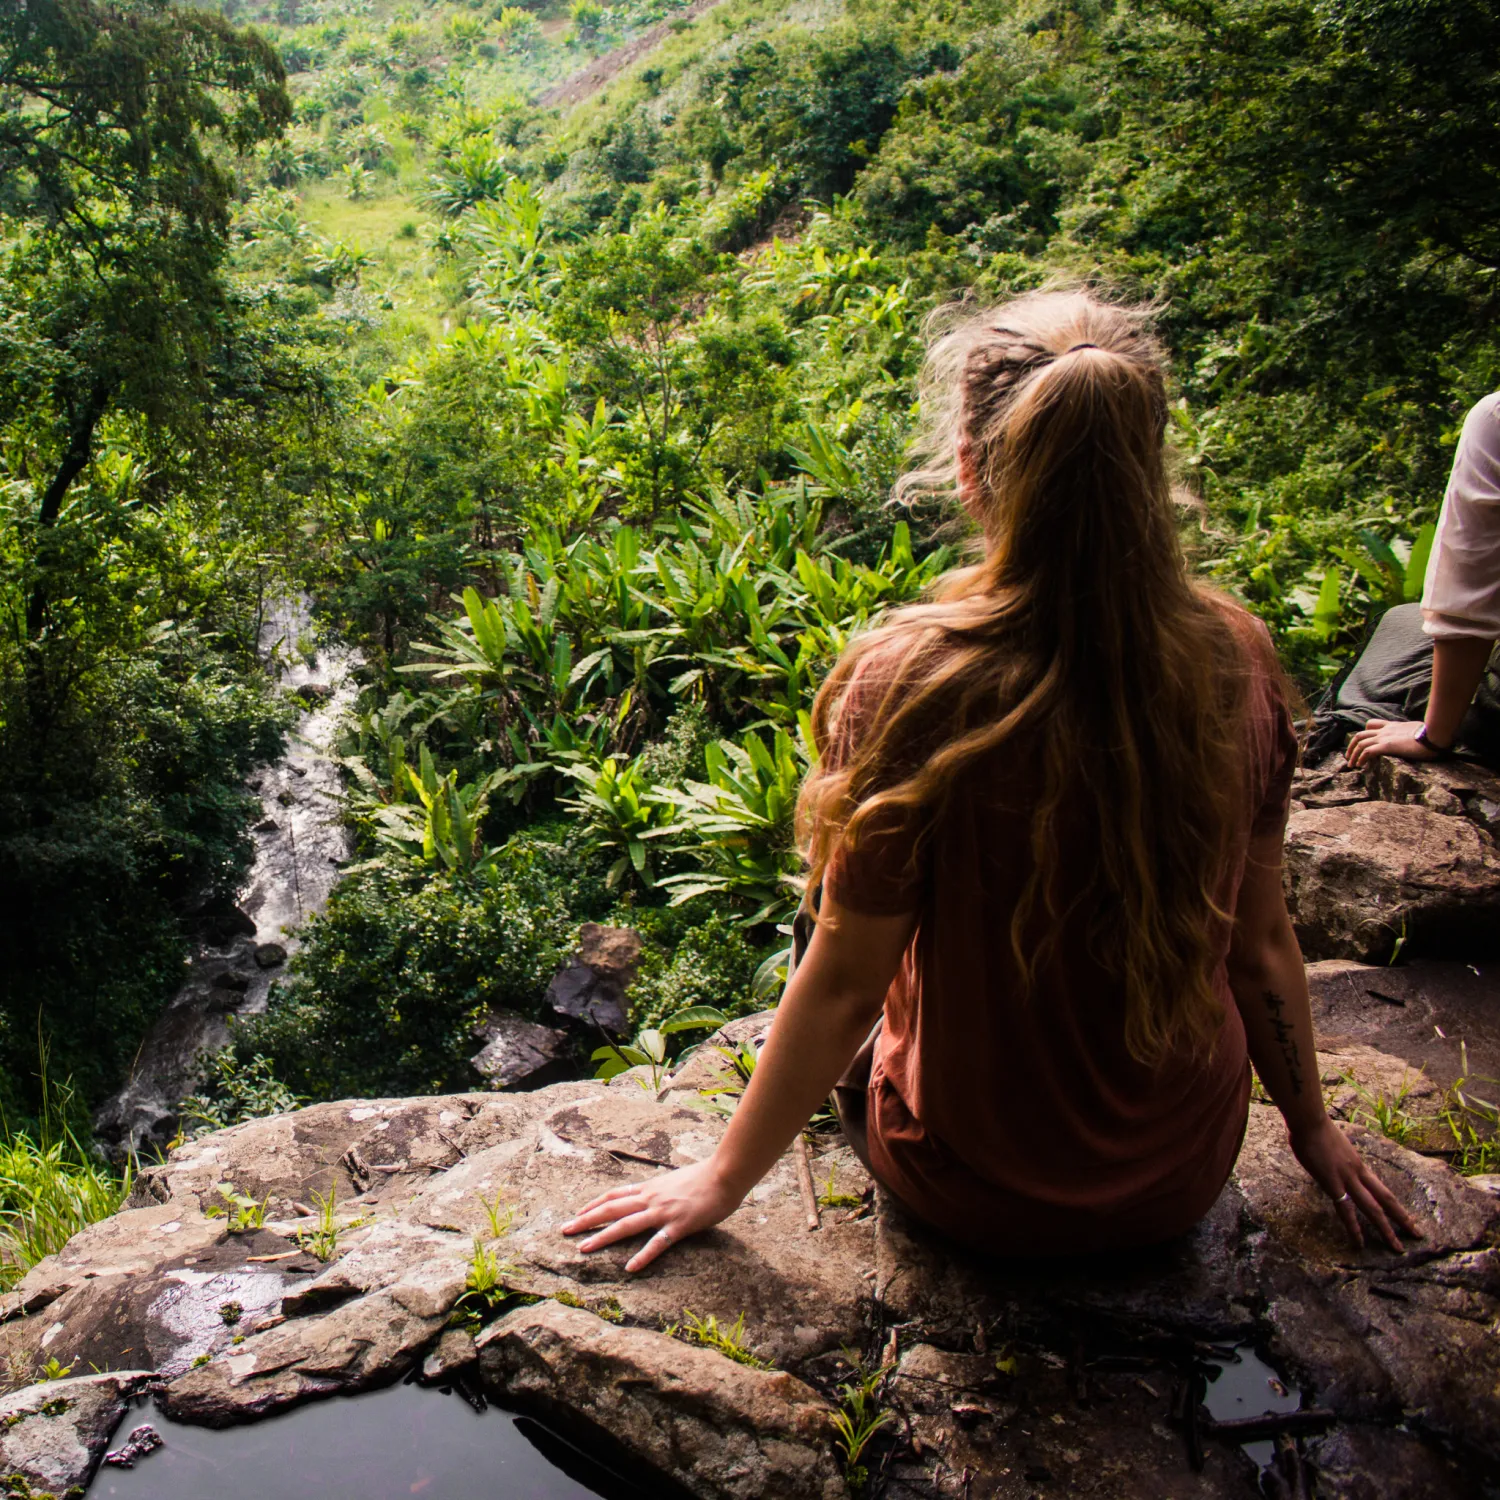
<point>385,1445</point>
<point>1248,1387</point>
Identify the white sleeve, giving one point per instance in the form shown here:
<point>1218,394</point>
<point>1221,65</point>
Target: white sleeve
<point>1462,593</point>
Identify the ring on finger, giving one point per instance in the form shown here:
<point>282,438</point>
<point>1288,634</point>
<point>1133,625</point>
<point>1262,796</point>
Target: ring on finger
<point>664,1235</point>
<point>1342,1198</point>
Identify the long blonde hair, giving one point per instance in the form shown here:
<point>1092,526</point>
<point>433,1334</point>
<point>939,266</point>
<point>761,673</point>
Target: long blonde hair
<point>1079,637</point>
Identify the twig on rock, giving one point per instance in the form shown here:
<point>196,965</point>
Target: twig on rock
<point>805,1182</point>
<point>1273,1424</point>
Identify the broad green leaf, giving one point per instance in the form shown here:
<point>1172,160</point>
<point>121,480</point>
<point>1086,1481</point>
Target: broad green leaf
<point>1416,564</point>
<point>693,1018</point>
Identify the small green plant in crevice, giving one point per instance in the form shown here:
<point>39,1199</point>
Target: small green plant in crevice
<point>322,1240</point>
<point>201,1360</point>
<point>829,1195</point>
<point>707,1333</point>
<point>487,1290</point>
<point>858,1418</point>
<point>58,1406</point>
<point>650,1046</point>
<point>1386,1114</point>
<point>243,1212</point>
<point>231,1313</point>
<point>1476,1150</point>
<point>501,1215</point>
<point>52,1370</point>
<point>607,1307</point>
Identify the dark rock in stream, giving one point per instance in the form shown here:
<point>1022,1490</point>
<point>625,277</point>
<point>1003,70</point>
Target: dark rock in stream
<point>142,1442</point>
<point>592,988</point>
<point>269,955</point>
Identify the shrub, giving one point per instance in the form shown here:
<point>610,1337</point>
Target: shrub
<point>112,823</point>
<point>383,997</point>
<point>693,955</point>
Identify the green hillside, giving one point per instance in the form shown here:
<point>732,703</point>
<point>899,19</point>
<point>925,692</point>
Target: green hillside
<point>580,419</point>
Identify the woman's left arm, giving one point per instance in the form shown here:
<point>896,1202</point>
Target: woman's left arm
<point>827,1012</point>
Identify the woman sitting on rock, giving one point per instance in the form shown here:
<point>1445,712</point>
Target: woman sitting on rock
<point>1428,684</point>
<point>1047,827</point>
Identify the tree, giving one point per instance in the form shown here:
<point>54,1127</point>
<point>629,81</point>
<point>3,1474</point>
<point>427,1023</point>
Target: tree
<point>113,300</point>
<point>627,305</point>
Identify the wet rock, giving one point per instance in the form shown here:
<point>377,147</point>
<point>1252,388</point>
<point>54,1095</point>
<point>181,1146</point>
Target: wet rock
<point>353,1347</point>
<point>141,1443</point>
<point>1364,878</point>
<point>270,955</point>
<point>1454,787</point>
<point>54,1434</point>
<point>231,979</point>
<point>724,1431</point>
<point>1378,1335</point>
<point>221,926</point>
<point>453,1355</point>
<point>592,988</point>
<point>519,1054</point>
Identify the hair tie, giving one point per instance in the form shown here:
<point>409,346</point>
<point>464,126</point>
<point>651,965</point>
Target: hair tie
<point>1072,347</point>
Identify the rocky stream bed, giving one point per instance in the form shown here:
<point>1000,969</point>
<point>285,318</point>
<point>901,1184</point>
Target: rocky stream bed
<point>1087,1378</point>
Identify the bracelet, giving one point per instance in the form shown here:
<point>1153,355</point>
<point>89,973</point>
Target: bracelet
<point>1442,752</point>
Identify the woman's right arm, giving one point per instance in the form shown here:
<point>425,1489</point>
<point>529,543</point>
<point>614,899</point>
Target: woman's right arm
<point>1269,983</point>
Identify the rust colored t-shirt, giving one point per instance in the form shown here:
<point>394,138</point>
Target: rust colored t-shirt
<point>1020,1123</point>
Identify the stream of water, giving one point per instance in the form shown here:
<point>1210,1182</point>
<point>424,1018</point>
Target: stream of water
<point>300,845</point>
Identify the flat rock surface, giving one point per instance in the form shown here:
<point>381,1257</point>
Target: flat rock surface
<point>1431,1014</point>
<point>1031,1378</point>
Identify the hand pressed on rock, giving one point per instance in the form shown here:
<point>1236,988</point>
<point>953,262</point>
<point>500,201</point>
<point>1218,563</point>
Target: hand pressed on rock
<point>673,1205</point>
<point>1333,1161</point>
<point>1382,737</point>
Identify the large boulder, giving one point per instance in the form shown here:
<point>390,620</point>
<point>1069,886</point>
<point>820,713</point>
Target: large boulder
<point>519,1054</point>
<point>1022,1376</point>
<point>1371,879</point>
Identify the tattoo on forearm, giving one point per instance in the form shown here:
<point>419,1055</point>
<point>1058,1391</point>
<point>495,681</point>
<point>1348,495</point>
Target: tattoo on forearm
<point>1285,1039</point>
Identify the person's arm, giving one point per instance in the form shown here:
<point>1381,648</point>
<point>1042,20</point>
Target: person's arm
<point>1458,664</point>
<point>1269,984</point>
<point>827,1012</point>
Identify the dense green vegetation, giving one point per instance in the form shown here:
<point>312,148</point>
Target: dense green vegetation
<point>581,423</point>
